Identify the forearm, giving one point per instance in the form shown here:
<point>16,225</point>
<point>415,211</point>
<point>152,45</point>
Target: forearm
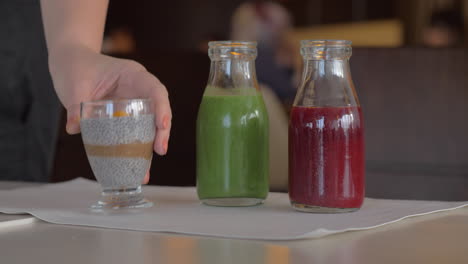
<point>73,23</point>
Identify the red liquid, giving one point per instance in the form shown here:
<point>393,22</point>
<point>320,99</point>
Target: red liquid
<point>326,156</point>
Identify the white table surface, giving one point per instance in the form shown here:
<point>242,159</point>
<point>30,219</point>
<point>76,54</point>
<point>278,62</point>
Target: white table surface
<point>436,238</point>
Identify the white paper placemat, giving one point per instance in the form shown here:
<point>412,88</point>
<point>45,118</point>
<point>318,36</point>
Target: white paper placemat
<point>177,210</point>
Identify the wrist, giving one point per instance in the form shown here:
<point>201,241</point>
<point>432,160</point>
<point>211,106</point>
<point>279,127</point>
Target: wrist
<point>67,54</point>
<point>67,48</point>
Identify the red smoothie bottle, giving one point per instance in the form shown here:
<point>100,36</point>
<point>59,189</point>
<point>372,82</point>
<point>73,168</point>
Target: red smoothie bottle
<point>326,136</point>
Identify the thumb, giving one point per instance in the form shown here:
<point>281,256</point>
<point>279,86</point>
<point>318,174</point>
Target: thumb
<point>73,119</point>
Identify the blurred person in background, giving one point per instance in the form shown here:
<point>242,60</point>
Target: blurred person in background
<point>29,108</point>
<point>267,23</point>
<point>445,29</point>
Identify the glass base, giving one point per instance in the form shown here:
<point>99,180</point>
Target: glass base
<point>114,199</point>
<point>232,202</point>
<point>319,209</point>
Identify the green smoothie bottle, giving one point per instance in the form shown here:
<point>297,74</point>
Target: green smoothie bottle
<point>232,130</point>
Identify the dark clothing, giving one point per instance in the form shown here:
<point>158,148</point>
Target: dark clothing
<point>29,108</point>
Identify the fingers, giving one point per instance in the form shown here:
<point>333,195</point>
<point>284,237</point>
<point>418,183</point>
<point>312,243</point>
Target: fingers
<point>163,119</point>
<point>137,82</point>
<point>147,177</point>
<point>73,119</point>
<point>144,83</point>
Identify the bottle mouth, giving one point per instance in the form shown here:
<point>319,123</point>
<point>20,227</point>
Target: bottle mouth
<point>325,42</point>
<point>326,49</point>
<point>116,101</point>
<point>232,44</point>
<point>229,49</point>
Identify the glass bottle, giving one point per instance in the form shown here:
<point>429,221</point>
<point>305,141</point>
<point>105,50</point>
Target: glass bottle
<point>326,137</point>
<point>232,129</point>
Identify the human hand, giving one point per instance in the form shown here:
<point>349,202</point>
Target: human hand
<point>80,74</point>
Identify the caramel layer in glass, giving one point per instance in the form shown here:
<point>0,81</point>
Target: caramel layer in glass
<point>132,150</point>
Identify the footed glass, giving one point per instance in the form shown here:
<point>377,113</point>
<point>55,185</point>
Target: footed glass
<point>118,137</point>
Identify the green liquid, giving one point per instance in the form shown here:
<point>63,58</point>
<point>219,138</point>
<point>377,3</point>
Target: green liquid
<point>232,147</point>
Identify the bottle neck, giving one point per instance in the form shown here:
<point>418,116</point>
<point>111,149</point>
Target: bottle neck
<point>334,69</point>
<point>233,73</point>
<point>326,82</point>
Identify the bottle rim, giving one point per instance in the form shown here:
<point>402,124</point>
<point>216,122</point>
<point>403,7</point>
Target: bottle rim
<point>232,44</point>
<point>325,42</point>
<point>116,101</point>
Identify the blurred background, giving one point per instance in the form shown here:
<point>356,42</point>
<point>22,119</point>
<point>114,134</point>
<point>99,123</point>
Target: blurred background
<point>409,67</point>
